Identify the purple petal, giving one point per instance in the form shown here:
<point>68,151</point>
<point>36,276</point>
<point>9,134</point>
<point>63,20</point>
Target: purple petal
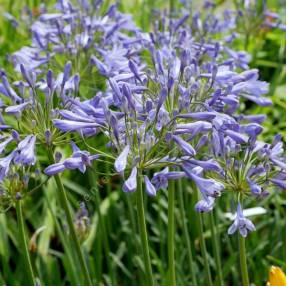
<point>121,161</point>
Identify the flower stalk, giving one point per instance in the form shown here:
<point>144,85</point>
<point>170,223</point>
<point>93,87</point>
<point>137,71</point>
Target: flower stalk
<point>64,202</point>
<point>216,248</point>
<point>186,234</point>
<point>143,232</point>
<point>24,246</point>
<point>172,7</point>
<point>171,233</point>
<point>203,246</point>
<point>243,263</point>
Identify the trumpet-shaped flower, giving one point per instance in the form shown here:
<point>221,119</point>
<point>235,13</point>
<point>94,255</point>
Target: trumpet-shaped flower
<point>130,184</point>
<point>241,223</point>
<point>121,160</point>
<point>150,189</point>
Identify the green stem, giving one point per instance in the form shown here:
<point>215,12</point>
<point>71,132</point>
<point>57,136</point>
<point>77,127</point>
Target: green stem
<point>24,247</point>
<point>204,251</point>
<point>186,234</point>
<point>64,202</point>
<point>243,264</point>
<point>171,232</point>
<point>172,6</point>
<point>216,249</point>
<point>143,233</point>
<point>105,240</point>
<point>102,223</point>
<point>203,246</point>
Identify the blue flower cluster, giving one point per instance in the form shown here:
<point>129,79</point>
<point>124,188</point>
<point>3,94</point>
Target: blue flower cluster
<point>170,106</point>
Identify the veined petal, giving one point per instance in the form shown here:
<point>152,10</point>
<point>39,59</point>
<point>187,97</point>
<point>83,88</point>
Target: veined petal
<point>130,184</point>
<point>17,109</point>
<point>68,125</point>
<point>54,169</point>
<point>185,146</point>
<point>150,189</point>
<point>121,161</point>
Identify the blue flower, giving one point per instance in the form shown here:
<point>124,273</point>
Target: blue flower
<point>160,179</point>
<point>241,223</point>
<point>26,151</point>
<point>185,146</point>
<point>5,165</point>
<point>255,189</point>
<point>79,160</point>
<point>205,205</point>
<point>130,184</point>
<point>150,189</point>
<point>208,187</point>
<point>5,143</point>
<point>121,160</point>
<point>68,125</point>
<point>17,109</point>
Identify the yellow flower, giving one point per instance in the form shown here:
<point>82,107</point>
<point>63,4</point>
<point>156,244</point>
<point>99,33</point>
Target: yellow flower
<point>276,277</point>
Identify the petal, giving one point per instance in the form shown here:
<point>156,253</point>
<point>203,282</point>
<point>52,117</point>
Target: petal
<point>243,231</point>
<point>54,169</point>
<point>233,228</point>
<point>150,189</point>
<point>121,161</point>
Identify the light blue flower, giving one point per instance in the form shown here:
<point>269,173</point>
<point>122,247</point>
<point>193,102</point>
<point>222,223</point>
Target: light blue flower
<point>241,223</point>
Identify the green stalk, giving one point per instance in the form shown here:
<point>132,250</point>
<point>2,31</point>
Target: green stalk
<point>105,240</point>
<point>23,244</point>
<point>216,249</point>
<point>102,223</point>
<point>64,202</point>
<point>143,232</point>
<point>186,234</point>
<point>172,6</point>
<point>171,232</point>
<point>109,190</point>
<point>204,251</point>
<point>203,246</point>
<point>243,264</point>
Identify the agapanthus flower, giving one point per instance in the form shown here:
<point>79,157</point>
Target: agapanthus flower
<point>79,160</point>
<point>150,189</point>
<point>130,184</point>
<point>5,165</point>
<point>205,205</point>
<point>121,161</point>
<point>241,223</point>
<point>109,40</point>
<point>30,105</point>
<point>177,115</point>
<point>160,179</point>
<point>25,152</point>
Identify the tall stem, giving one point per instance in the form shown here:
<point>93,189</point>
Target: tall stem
<point>102,223</point>
<point>105,240</point>
<point>22,237</point>
<point>186,234</point>
<point>204,251</point>
<point>143,232</point>
<point>172,6</point>
<point>203,246</point>
<point>216,249</point>
<point>171,233</point>
<point>243,264</point>
<point>64,202</point>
